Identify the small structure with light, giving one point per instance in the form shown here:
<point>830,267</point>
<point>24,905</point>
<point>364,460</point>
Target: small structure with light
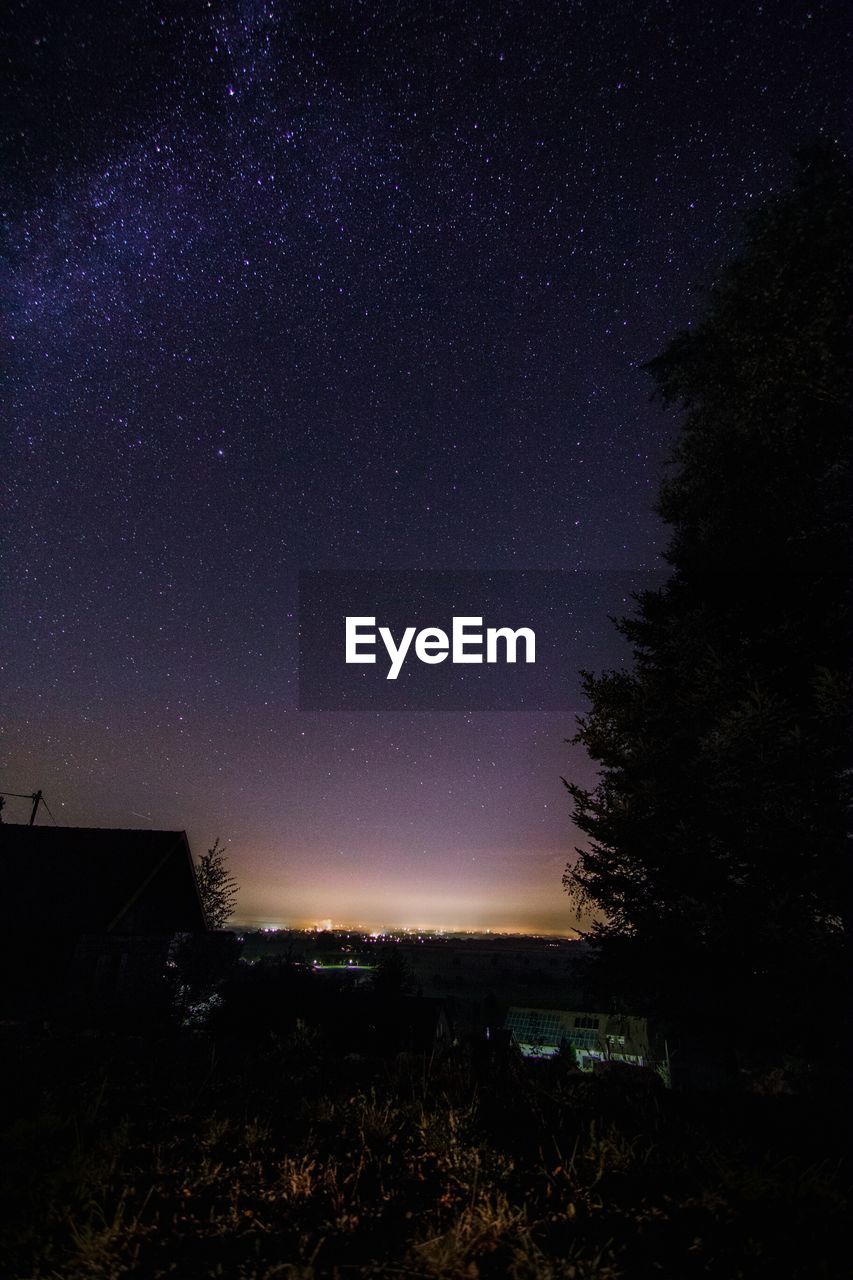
<point>595,1037</point>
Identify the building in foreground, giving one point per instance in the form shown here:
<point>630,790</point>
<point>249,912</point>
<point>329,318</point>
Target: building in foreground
<point>595,1037</point>
<point>90,914</point>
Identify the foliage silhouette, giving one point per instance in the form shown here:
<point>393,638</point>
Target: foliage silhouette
<point>216,886</point>
<point>716,854</point>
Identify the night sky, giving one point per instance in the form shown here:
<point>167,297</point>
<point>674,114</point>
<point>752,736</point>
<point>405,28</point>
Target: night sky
<point>347,286</point>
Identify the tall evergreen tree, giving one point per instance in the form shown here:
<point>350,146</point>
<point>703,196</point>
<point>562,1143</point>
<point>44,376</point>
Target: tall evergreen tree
<point>715,863</point>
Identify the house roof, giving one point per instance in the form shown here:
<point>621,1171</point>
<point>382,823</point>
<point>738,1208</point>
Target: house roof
<point>549,1026</point>
<point>97,880</point>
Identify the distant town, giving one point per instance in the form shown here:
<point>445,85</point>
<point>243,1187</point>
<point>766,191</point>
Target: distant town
<point>468,968</point>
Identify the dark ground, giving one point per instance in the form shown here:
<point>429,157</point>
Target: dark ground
<point>177,1155</point>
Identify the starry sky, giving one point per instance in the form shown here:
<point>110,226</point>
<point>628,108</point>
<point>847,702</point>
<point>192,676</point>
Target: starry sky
<point>295,286</point>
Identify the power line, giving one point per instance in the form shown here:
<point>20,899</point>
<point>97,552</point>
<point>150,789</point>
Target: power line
<point>36,797</point>
<point>47,806</point>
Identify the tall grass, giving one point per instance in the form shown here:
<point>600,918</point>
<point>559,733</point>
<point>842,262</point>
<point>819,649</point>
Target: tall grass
<point>156,1160</point>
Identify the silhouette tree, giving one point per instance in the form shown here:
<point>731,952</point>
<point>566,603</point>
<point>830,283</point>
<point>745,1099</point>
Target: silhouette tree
<point>716,857</point>
<point>216,886</point>
<point>393,976</point>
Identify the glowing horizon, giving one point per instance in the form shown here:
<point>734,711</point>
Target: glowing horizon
<point>498,889</point>
<point>380,929</point>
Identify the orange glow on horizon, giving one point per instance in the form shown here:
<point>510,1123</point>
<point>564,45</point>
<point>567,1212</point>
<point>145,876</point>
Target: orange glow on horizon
<point>381,930</point>
<point>407,902</point>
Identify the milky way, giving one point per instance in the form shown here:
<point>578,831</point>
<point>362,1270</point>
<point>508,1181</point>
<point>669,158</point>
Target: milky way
<point>348,286</point>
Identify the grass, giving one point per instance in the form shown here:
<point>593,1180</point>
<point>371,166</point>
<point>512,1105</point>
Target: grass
<point>180,1157</point>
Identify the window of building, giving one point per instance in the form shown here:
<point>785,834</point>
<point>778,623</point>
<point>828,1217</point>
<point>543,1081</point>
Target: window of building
<point>530,1027</point>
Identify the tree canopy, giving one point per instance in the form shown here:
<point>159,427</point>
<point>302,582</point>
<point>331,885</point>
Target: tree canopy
<point>216,886</point>
<point>716,856</point>
<point>393,977</point>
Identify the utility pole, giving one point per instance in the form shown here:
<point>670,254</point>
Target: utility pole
<point>36,799</point>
